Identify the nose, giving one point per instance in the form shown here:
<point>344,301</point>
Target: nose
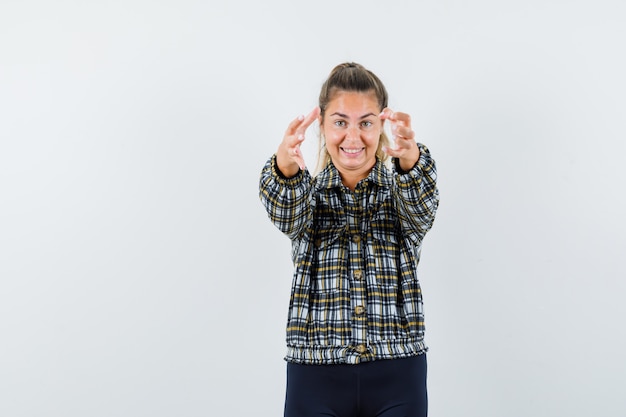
<point>352,132</point>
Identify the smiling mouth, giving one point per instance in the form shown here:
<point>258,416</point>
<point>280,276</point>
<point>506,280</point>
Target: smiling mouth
<point>352,151</point>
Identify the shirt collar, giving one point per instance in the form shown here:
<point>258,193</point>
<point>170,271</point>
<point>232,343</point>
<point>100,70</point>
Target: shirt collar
<point>329,177</point>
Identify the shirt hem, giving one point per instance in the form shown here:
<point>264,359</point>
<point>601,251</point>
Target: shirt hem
<point>332,355</point>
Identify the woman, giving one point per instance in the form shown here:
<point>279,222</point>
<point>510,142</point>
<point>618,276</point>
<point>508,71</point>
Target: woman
<point>355,331</point>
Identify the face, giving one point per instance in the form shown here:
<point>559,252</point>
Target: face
<point>352,130</point>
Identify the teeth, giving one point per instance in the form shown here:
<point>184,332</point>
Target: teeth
<point>352,150</point>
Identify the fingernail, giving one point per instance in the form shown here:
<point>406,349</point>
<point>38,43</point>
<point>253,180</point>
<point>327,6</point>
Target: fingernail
<point>301,117</point>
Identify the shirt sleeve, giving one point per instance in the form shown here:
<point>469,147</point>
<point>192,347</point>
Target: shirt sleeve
<point>417,196</point>
<point>286,200</point>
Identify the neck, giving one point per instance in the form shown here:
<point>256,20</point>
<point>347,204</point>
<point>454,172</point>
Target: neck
<point>351,178</point>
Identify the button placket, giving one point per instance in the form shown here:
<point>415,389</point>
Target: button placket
<point>358,288</point>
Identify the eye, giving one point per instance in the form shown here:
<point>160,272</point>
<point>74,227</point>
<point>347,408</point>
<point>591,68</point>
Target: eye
<point>366,123</point>
<point>340,123</point>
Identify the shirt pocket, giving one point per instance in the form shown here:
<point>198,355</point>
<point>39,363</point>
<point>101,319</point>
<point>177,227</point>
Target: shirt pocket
<point>386,251</point>
<point>329,260</point>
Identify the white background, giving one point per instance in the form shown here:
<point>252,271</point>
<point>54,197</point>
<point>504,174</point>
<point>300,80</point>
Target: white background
<point>140,276</point>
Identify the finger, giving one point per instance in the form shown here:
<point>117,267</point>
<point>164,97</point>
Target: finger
<point>306,122</point>
<point>291,141</point>
<point>404,144</point>
<point>297,157</point>
<point>403,119</point>
<point>386,113</point>
<point>291,129</point>
<point>392,152</point>
<point>400,148</point>
<point>404,132</point>
<point>299,125</point>
<point>310,118</point>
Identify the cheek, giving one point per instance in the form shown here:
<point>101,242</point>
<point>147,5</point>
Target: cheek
<point>331,136</point>
<point>373,137</point>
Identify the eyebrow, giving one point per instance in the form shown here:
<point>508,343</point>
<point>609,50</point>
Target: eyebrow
<point>345,116</point>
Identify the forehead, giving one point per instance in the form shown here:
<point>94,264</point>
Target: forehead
<point>353,103</point>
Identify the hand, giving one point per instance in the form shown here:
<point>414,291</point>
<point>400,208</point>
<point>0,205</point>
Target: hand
<point>405,148</point>
<point>289,156</point>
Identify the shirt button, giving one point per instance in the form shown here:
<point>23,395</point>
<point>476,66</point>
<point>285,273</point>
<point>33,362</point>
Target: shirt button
<point>361,349</point>
<point>358,310</point>
<point>358,274</point>
<point>356,238</point>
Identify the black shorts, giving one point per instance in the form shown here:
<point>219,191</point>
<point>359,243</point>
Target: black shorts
<point>384,388</point>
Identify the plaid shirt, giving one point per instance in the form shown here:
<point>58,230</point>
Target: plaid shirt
<point>355,295</point>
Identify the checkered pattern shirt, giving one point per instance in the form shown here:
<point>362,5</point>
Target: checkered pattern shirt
<point>355,294</point>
